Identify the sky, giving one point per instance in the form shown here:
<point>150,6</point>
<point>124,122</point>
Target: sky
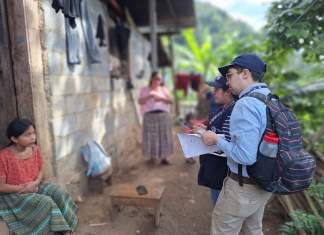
<point>253,12</point>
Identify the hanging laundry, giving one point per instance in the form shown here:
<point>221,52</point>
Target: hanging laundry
<point>71,10</point>
<point>92,49</point>
<point>195,81</point>
<point>123,34</point>
<point>182,82</point>
<point>113,48</point>
<point>101,31</point>
<point>72,42</point>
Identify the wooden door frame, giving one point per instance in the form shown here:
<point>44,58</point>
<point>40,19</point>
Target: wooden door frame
<point>24,26</point>
<point>7,86</point>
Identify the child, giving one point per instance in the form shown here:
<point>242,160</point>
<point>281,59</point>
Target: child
<point>27,205</point>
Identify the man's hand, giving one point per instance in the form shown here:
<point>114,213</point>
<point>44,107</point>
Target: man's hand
<point>209,137</point>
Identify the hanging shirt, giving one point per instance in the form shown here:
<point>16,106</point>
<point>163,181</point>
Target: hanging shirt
<point>182,82</point>
<point>195,81</point>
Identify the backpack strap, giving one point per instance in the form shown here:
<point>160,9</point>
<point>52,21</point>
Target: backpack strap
<point>264,98</point>
<point>240,175</point>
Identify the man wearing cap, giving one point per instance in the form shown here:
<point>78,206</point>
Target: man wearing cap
<point>213,168</point>
<point>241,203</point>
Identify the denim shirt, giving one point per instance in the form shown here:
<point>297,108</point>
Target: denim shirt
<point>247,124</point>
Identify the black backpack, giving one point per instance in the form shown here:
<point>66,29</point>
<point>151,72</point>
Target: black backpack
<point>292,169</point>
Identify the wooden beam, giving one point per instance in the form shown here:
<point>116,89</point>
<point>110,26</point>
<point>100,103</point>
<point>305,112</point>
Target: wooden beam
<point>153,26</point>
<point>176,101</point>
<point>8,105</point>
<point>159,30</point>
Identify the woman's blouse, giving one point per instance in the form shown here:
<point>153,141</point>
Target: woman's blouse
<point>151,104</point>
<point>16,171</point>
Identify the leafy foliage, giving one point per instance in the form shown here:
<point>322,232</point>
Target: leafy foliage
<point>297,25</point>
<point>217,23</point>
<point>302,220</point>
<point>317,191</point>
<point>195,56</point>
<point>305,221</point>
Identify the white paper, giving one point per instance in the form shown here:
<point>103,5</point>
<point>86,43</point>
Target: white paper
<point>193,146</point>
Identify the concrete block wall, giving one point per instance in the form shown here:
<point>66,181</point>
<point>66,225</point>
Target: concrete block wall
<point>82,104</point>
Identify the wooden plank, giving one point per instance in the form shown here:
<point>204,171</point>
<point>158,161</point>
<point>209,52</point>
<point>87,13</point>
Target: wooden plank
<point>129,191</point>
<point>8,107</point>
<point>126,195</point>
<point>20,56</point>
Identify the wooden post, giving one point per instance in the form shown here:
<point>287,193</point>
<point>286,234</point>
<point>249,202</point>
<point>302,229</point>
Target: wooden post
<point>8,102</point>
<point>27,71</point>
<point>153,35</point>
<point>176,100</point>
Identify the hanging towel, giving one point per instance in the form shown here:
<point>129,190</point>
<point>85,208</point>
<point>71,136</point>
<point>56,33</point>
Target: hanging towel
<point>195,81</point>
<point>182,82</point>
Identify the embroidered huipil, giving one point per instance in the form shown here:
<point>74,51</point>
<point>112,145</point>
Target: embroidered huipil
<point>17,171</point>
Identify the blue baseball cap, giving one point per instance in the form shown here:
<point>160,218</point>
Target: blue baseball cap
<point>218,82</point>
<point>246,61</point>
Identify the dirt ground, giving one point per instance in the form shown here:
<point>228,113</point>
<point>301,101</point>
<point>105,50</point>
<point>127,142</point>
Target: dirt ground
<point>186,206</point>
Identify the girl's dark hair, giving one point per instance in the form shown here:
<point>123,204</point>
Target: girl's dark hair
<point>17,127</point>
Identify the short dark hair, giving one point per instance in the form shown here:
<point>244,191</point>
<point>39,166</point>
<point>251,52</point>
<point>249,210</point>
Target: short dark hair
<point>255,75</point>
<point>153,75</point>
<point>17,127</point>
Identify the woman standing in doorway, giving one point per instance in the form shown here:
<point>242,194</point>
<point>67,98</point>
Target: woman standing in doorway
<point>155,101</point>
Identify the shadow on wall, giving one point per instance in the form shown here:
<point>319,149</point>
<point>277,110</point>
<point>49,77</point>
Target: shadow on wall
<point>81,104</point>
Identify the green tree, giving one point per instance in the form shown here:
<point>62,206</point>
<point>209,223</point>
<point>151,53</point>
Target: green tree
<point>297,25</point>
<point>194,56</point>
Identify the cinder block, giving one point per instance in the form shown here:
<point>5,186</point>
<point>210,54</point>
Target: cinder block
<point>105,99</point>
<point>55,41</point>
<point>100,84</point>
<point>65,145</point>
<point>62,126</point>
<point>54,60</point>
<point>58,106</point>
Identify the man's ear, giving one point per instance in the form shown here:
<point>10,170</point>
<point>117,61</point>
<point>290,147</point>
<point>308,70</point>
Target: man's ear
<point>246,73</point>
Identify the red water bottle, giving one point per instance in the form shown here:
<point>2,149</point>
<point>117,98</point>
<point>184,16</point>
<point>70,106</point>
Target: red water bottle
<point>269,144</point>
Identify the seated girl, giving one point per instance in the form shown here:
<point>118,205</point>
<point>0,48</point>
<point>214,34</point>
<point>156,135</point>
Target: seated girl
<point>27,205</point>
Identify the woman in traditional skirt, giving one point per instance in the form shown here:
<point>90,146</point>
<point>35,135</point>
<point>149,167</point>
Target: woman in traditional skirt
<point>155,101</point>
<point>27,205</point>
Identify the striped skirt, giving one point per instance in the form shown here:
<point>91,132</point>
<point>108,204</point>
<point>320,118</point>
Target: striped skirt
<point>49,211</point>
<point>157,135</point>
